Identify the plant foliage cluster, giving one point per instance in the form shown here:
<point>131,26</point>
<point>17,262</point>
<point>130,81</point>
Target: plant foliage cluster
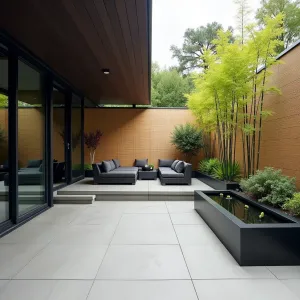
<point>188,139</point>
<point>92,141</point>
<point>293,205</point>
<point>220,170</point>
<point>229,96</point>
<point>270,186</point>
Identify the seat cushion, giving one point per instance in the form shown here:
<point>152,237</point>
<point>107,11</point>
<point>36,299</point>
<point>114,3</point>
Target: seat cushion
<point>141,162</point>
<point>167,172</point>
<point>174,164</point>
<point>179,167</point>
<point>116,162</point>
<point>119,174</point>
<point>165,162</point>
<point>129,169</point>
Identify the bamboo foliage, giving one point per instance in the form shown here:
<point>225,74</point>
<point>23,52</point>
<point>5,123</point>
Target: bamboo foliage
<point>229,96</point>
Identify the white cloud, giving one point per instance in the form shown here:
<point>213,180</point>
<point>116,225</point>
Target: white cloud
<point>172,17</point>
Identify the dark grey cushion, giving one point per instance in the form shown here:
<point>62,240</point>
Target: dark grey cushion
<point>165,162</point>
<point>179,167</point>
<point>118,174</point>
<point>174,164</point>
<point>116,162</point>
<point>132,169</point>
<point>167,172</point>
<point>141,162</point>
<point>35,163</point>
<point>112,165</point>
<point>106,166</point>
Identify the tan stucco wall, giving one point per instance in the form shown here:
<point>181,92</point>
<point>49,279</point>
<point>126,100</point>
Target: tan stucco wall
<point>130,134</point>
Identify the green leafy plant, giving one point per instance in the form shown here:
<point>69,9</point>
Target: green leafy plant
<point>230,171</point>
<point>151,166</point>
<point>187,139</point>
<point>293,205</point>
<point>270,185</point>
<point>207,166</point>
<point>2,136</point>
<point>85,167</point>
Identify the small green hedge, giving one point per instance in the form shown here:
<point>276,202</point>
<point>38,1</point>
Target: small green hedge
<point>270,186</point>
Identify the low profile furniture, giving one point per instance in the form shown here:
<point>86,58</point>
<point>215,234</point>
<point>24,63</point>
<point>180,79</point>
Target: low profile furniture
<point>148,175</point>
<point>33,174</point>
<point>110,172</point>
<point>168,174</point>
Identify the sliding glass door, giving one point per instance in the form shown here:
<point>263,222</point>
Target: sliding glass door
<point>31,139</point>
<point>4,169</point>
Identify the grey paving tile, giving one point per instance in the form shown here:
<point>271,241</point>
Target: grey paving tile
<point>146,207</point>
<point>285,272</point>
<point>46,290</point>
<point>145,229</point>
<point>243,289</point>
<point>143,262</point>
<point>196,235</point>
<point>215,262</point>
<point>143,290</point>
<point>293,285</point>
<point>180,206</point>
<point>191,218</point>
<point>65,262</point>
<point>14,257</point>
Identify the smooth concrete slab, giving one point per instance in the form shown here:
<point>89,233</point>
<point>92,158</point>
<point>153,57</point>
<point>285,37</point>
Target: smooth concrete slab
<point>143,290</point>
<point>46,290</point>
<point>142,262</point>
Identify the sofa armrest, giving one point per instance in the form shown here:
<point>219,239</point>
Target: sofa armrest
<point>96,170</point>
<point>188,171</point>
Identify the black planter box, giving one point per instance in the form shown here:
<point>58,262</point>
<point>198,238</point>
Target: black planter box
<point>251,244</point>
<point>88,173</point>
<point>217,184</point>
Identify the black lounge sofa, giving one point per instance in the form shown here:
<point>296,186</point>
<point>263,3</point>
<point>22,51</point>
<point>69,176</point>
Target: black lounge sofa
<point>33,174</point>
<point>110,172</point>
<point>172,171</point>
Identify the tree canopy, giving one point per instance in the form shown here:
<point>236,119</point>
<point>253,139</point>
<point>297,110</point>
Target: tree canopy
<point>291,25</point>
<point>229,94</point>
<point>169,87</point>
<point>196,42</point>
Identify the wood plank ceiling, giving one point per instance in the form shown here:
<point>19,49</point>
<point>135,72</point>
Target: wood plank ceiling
<point>79,38</point>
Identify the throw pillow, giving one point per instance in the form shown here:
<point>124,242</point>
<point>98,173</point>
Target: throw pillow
<point>165,162</point>
<point>174,164</point>
<point>106,166</point>
<point>141,162</point>
<point>117,163</point>
<point>112,165</point>
<point>179,167</point>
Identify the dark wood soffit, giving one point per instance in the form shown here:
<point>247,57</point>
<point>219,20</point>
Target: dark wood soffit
<point>78,38</point>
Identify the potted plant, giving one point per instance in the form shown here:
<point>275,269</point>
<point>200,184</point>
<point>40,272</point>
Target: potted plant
<point>92,141</point>
<point>188,139</point>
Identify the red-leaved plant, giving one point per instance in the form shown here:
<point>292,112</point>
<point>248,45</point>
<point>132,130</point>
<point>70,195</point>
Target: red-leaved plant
<point>92,141</point>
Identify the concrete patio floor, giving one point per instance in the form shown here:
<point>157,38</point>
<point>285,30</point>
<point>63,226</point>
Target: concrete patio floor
<point>139,250</point>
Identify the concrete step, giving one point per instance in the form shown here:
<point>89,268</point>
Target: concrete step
<point>73,199</point>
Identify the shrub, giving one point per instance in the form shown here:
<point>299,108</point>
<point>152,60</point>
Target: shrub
<point>187,139</point>
<point>92,141</point>
<point>293,205</point>
<point>270,185</point>
<point>207,166</point>
<point>227,171</point>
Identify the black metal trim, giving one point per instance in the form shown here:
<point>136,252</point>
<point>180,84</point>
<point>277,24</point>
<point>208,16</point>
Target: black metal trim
<point>48,90</point>
<point>68,136</point>
<point>82,136</point>
<point>13,136</point>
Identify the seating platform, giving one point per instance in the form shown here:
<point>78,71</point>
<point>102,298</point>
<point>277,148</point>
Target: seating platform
<point>143,190</point>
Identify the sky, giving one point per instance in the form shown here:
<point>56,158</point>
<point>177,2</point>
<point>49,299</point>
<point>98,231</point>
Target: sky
<point>170,19</point>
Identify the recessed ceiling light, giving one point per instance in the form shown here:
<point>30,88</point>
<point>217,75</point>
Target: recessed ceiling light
<point>105,71</point>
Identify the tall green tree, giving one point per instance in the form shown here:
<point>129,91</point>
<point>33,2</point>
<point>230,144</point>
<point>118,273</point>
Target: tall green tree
<point>291,25</point>
<point>169,87</point>
<point>229,95</point>
<point>196,42</point>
